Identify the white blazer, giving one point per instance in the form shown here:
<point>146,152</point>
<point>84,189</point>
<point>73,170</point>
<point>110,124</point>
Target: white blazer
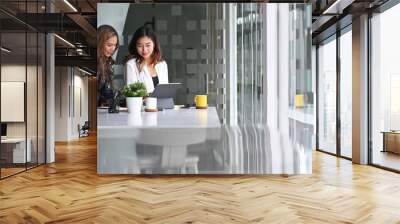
<point>133,75</point>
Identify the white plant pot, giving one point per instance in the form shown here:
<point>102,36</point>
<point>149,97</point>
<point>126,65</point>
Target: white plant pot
<point>134,104</point>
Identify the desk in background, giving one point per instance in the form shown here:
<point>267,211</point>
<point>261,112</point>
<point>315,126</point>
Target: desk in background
<point>13,150</point>
<point>391,141</point>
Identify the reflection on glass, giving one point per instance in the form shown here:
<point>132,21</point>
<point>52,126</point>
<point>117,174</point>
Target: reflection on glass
<point>250,62</point>
<point>346,94</point>
<point>327,96</point>
<point>15,149</point>
<point>385,85</point>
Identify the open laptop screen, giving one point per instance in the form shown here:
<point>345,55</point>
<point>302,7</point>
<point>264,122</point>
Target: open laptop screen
<point>166,90</point>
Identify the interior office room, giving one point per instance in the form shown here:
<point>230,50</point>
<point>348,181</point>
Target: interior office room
<point>298,120</point>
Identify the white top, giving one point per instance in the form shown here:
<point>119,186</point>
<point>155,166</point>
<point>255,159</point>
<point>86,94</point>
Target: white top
<point>133,75</point>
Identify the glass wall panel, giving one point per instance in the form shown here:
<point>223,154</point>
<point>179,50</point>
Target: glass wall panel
<point>22,88</point>
<point>250,71</point>
<point>327,96</point>
<point>15,149</point>
<point>346,93</point>
<point>385,89</point>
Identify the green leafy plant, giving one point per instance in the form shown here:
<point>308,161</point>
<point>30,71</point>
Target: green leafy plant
<point>137,89</point>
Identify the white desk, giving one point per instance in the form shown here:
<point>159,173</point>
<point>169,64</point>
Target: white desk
<point>171,130</point>
<point>180,118</point>
<point>19,149</point>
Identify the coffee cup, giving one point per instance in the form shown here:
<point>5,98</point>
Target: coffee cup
<point>200,101</point>
<point>151,104</point>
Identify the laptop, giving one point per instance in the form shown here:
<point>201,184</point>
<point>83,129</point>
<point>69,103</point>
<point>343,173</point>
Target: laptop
<point>166,90</point>
<point>165,94</point>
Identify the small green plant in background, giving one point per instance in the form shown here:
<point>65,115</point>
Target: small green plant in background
<point>137,89</point>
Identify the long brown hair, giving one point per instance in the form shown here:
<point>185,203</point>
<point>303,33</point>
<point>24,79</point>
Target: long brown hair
<point>104,64</point>
<point>145,31</point>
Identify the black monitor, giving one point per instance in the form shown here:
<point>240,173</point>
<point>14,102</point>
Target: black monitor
<point>3,129</point>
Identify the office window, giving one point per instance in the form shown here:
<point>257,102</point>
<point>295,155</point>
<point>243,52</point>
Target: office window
<point>327,96</point>
<point>385,89</point>
<point>346,93</point>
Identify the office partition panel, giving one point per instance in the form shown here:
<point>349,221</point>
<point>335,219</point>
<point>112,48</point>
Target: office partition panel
<point>15,147</point>
<point>385,89</point>
<point>22,64</point>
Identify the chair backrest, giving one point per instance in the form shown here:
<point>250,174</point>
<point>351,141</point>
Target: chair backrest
<point>86,125</point>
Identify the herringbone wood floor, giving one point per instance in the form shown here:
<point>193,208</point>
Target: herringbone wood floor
<point>70,191</point>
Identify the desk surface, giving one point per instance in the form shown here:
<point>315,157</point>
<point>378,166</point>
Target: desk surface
<point>185,118</point>
<point>13,140</point>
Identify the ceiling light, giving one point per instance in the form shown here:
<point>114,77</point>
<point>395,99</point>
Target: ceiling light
<point>64,40</point>
<point>84,71</point>
<point>338,6</point>
<point>5,50</point>
<point>70,5</point>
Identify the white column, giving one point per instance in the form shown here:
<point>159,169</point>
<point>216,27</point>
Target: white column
<point>50,99</point>
<point>360,90</point>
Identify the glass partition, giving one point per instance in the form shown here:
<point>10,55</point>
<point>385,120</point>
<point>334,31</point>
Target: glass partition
<point>22,88</point>
<point>327,96</point>
<point>385,89</point>
<point>14,145</point>
<point>346,93</point>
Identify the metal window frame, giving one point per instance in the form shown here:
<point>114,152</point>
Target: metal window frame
<point>334,37</point>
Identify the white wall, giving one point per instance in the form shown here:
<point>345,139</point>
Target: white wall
<point>71,102</point>
<point>15,72</point>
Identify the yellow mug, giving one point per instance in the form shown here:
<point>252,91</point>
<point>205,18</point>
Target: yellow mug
<point>200,101</point>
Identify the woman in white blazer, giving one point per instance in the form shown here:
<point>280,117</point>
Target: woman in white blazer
<point>146,64</point>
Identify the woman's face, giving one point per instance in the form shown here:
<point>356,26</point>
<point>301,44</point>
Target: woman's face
<point>109,46</point>
<point>145,47</point>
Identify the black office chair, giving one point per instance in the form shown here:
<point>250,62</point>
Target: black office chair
<point>84,130</point>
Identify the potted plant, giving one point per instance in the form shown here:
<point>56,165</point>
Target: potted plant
<point>134,94</point>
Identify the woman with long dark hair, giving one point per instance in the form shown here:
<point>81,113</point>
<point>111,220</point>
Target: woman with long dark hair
<point>107,45</point>
<point>145,62</point>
